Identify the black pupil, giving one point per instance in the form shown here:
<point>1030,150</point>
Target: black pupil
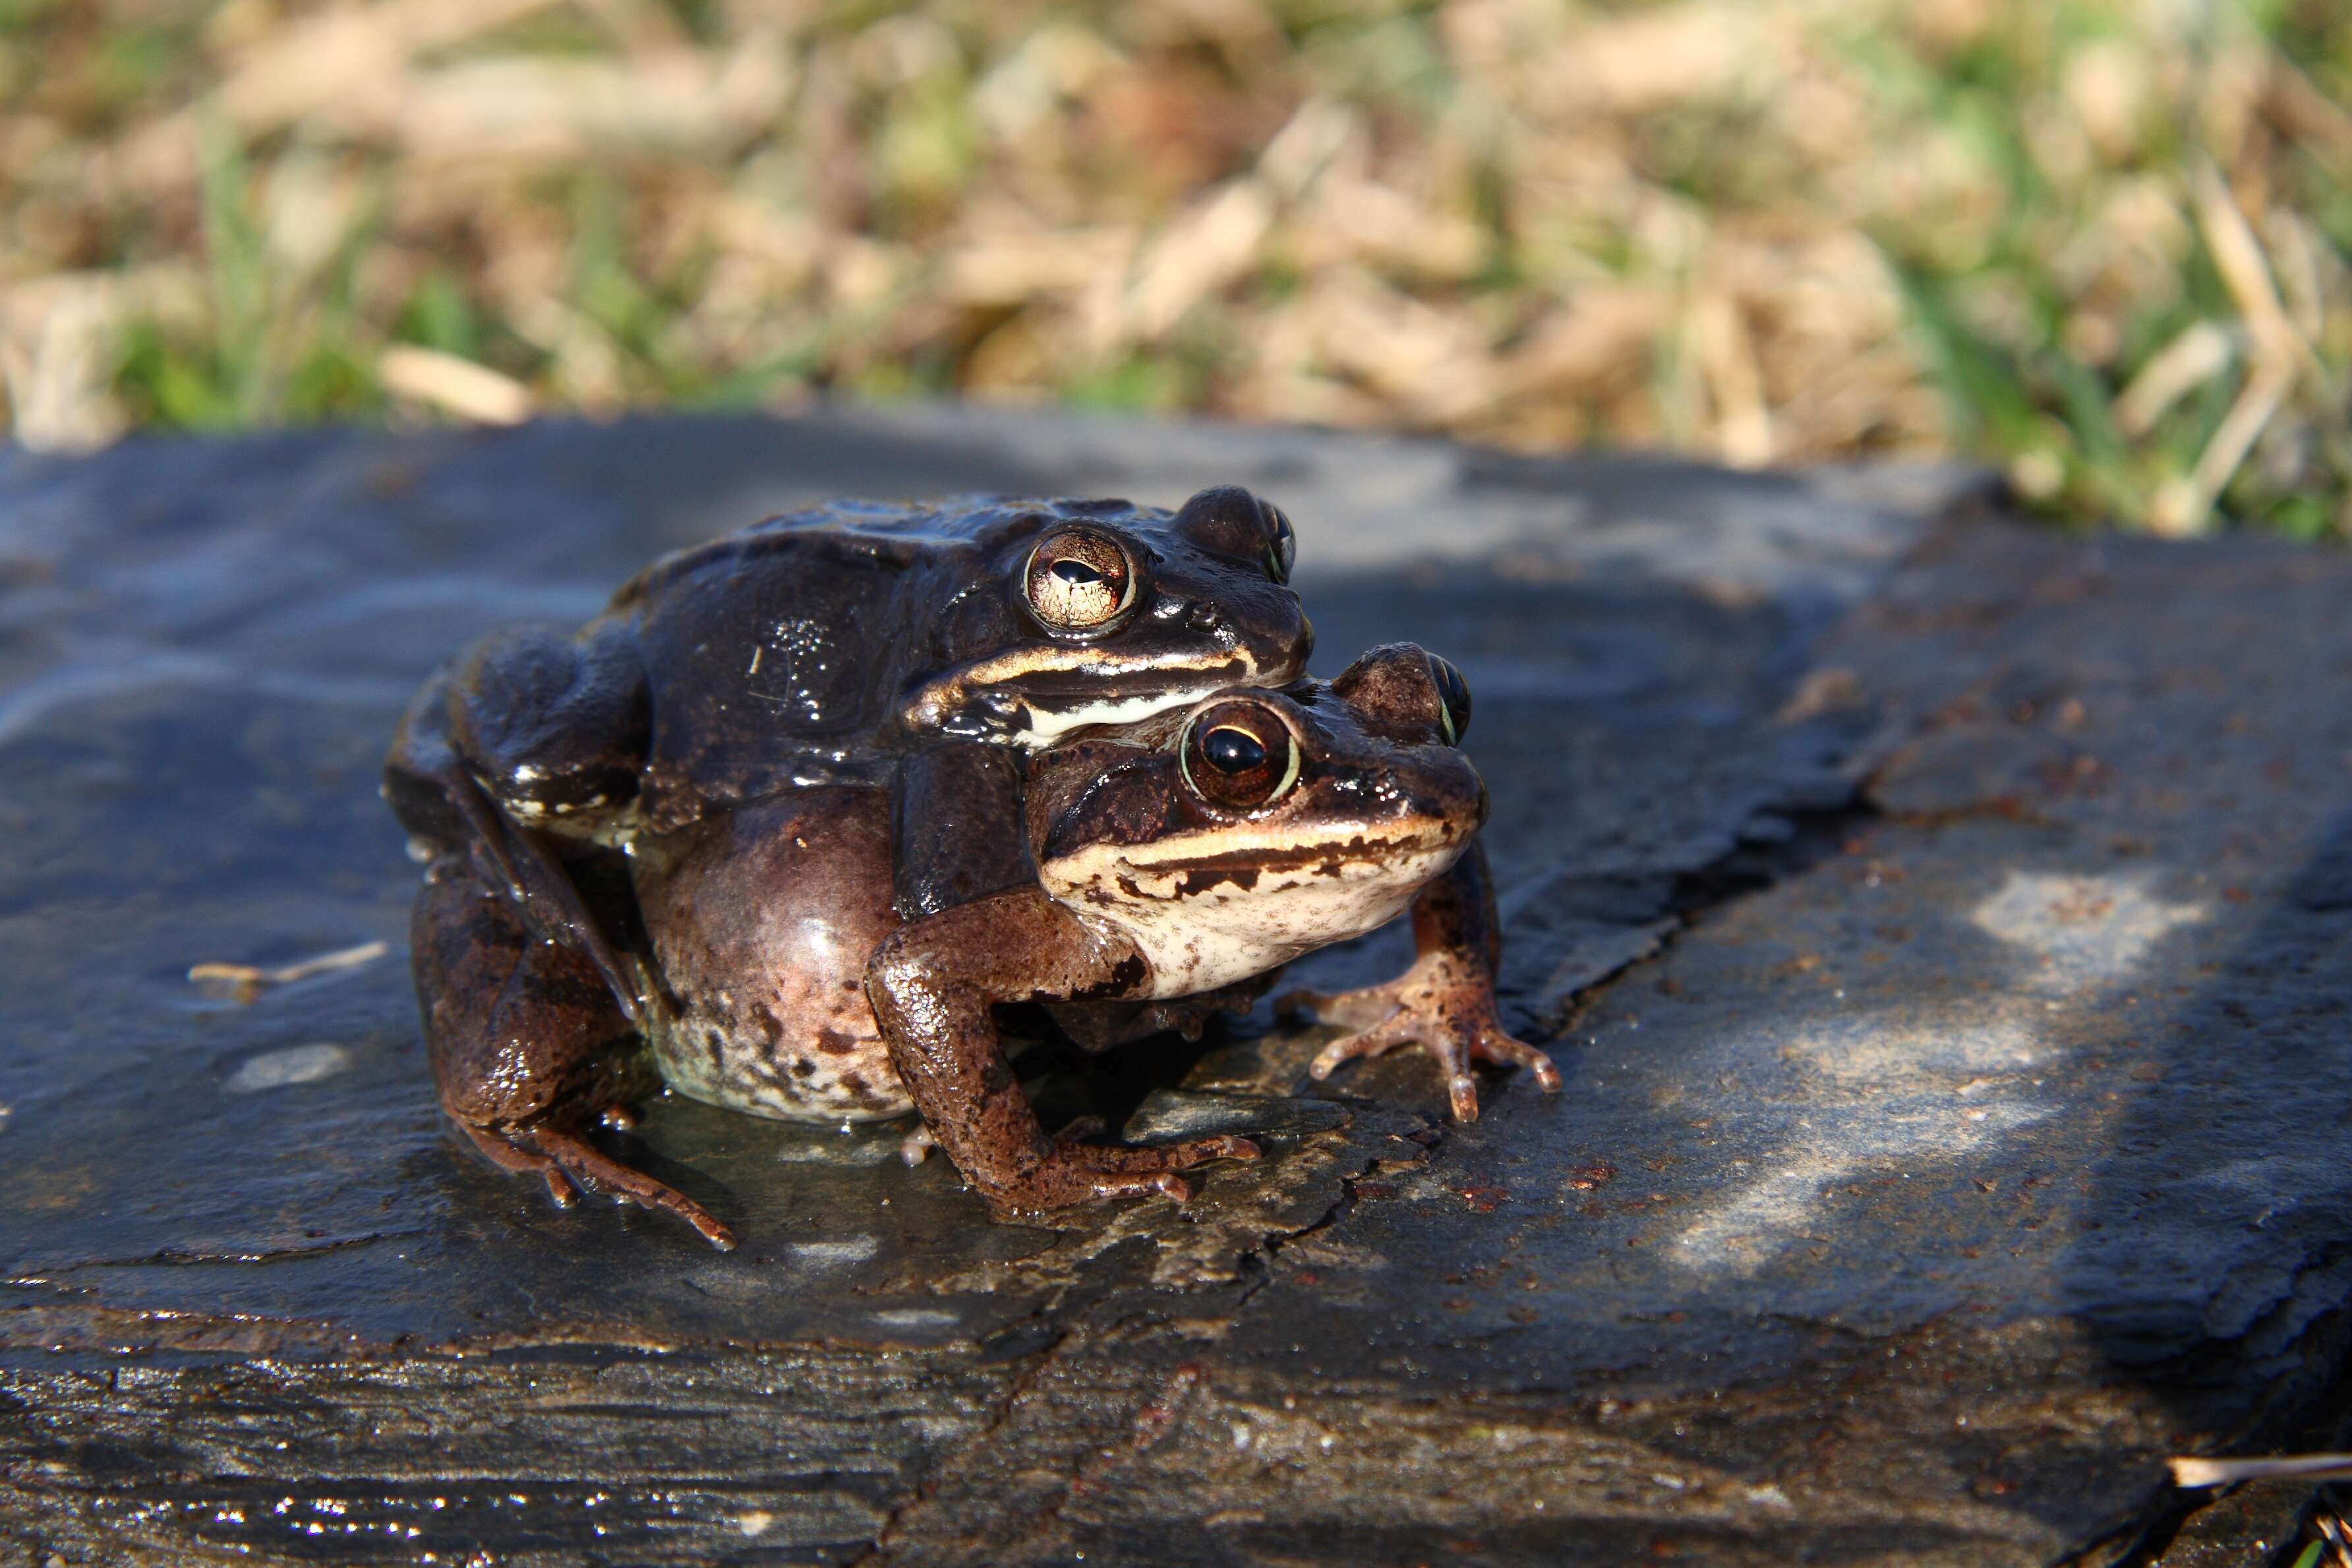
<point>1234,751</point>
<point>1077,571</point>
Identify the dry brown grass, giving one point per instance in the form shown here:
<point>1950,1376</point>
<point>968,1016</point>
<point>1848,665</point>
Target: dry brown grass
<point>2102,242</point>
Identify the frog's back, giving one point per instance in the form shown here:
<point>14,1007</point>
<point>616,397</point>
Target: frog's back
<point>843,532</point>
<point>776,655</point>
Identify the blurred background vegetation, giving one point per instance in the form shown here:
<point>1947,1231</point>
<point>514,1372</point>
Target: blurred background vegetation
<point>2101,243</point>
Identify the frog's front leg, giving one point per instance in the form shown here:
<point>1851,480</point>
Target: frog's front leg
<point>528,1048</point>
<point>1445,1002</point>
<point>951,804</point>
<point>932,984</point>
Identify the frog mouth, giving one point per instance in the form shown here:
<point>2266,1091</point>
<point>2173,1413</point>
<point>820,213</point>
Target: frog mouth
<point>1243,864</point>
<point>1047,715</point>
<point>1246,859</point>
<point>1046,724</point>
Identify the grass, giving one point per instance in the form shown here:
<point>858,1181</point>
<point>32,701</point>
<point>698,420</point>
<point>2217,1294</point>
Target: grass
<point>2100,243</point>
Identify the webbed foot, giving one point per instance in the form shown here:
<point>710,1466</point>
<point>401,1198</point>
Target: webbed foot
<point>1444,1003</point>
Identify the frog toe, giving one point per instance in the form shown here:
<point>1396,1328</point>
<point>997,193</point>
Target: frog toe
<point>570,1165</point>
<point>1398,1029</point>
<point>591,1167</point>
<point>509,1155</point>
<point>1102,1159</point>
<point>1065,1184</point>
<point>1092,1173</point>
<point>1501,1049</point>
<point>1445,1004</point>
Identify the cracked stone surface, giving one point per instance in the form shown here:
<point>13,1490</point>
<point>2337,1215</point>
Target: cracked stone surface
<point>1945,929</point>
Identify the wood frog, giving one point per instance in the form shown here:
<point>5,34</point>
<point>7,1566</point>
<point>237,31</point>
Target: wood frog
<point>922,649</point>
<point>1173,864</point>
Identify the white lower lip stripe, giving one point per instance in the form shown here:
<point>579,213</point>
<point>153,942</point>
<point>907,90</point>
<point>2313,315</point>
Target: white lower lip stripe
<point>1045,726</point>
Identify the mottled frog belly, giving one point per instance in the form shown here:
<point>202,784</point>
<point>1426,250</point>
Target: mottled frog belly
<point>760,924</point>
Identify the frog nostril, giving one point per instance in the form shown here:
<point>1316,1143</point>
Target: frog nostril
<point>1204,617</point>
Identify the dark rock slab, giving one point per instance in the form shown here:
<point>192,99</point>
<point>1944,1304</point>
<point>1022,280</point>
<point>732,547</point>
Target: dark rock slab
<point>1950,962</point>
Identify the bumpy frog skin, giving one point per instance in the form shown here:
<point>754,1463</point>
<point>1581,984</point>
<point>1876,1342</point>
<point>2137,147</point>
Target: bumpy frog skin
<point>1175,864</point>
<point>921,650</point>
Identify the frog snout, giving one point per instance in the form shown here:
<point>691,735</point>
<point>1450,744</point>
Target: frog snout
<point>1459,795</point>
<point>1439,788</point>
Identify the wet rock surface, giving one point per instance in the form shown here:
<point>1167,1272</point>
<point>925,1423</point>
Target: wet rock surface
<point>1945,929</point>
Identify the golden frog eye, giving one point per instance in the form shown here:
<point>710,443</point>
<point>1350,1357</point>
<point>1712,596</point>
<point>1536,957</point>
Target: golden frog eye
<point>1239,755</point>
<point>1079,579</point>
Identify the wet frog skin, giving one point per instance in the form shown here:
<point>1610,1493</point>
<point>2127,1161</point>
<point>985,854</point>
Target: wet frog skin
<point>920,650</point>
<point>1175,864</point>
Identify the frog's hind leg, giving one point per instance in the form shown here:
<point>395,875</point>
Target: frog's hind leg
<point>528,1046</point>
<point>526,728</point>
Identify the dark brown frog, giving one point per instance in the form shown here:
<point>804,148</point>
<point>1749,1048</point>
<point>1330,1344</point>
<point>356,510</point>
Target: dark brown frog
<point>1171,866</point>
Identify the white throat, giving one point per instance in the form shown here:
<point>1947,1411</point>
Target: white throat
<point>1201,932</point>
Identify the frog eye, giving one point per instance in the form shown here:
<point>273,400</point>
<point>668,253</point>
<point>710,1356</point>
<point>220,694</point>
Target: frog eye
<point>1079,580</point>
<point>1452,700</point>
<point>1282,550</point>
<point>1239,755</point>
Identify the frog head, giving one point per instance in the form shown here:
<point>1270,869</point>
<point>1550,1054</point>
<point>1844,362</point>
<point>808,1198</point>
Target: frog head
<point>1101,612</point>
<point>1258,825</point>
